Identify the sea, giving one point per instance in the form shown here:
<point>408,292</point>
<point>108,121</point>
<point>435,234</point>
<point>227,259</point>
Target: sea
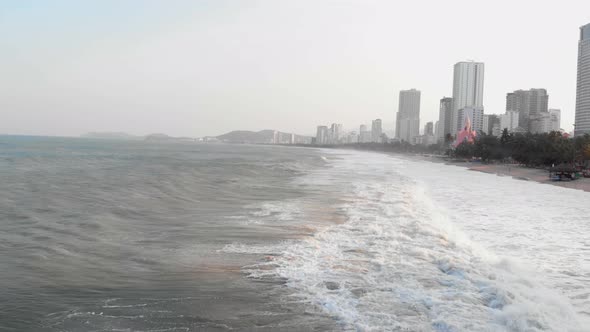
<point>107,235</point>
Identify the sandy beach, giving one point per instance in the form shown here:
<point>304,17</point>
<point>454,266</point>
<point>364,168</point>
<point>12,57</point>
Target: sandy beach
<point>529,174</point>
<point>516,171</point>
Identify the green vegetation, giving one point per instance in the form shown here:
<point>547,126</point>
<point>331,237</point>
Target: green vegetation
<point>532,150</point>
<point>544,149</point>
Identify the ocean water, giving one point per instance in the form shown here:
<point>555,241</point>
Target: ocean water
<point>130,236</point>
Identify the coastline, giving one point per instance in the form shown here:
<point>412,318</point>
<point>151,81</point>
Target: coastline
<point>514,170</point>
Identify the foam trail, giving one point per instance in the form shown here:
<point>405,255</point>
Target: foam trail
<point>403,262</point>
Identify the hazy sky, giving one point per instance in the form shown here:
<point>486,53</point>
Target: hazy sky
<point>197,68</point>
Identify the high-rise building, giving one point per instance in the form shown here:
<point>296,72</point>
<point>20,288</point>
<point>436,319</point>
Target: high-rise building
<point>351,138</point>
<point>467,90</point>
<point>335,133</point>
<point>529,103</point>
<point>408,115</point>
<point>376,130</point>
<point>436,130</point>
<point>364,134</point>
<point>555,119</point>
<point>540,123</point>
<point>489,120</point>
<point>475,116</point>
<point>582,125</point>
<point>545,122</point>
<point>445,116</point>
<point>509,121</point>
<point>429,129</point>
<point>322,135</point>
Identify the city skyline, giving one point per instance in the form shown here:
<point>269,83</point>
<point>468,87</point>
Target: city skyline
<point>210,67</point>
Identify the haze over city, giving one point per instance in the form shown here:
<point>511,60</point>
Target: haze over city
<point>196,68</point>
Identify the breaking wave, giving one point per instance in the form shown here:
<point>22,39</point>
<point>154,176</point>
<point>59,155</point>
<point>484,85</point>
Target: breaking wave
<point>400,263</point>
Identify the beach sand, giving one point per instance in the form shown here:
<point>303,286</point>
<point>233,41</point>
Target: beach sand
<point>529,174</point>
<point>516,171</point>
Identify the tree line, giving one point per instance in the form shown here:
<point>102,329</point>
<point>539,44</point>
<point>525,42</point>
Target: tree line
<point>534,150</point>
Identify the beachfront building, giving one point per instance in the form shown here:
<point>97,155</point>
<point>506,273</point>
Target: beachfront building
<point>364,134</point>
<point>529,103</point>
<point>489,122</point>
<point>445,116</point>
<point>429,129</point>
<point>425,140</point>
<point>376,130</point>
<point>509,121</point>
<point>351,138</point>
<point>540,123</point>
<point>335,133</point>
<point>436,129</point>
<point>467,90</point>
<point>475,116</point>
<point>408,115</point>
<point>555,119</point>
<point>583,83</point>
<point>321,135</point>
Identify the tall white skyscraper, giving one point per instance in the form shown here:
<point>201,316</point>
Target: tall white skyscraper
<point>408,115</point>
<point>467,89</point>
<point>583,84</point>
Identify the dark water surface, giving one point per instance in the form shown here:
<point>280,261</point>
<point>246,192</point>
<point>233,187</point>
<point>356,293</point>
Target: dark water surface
<point>118,235</point>
<point>130,236</point>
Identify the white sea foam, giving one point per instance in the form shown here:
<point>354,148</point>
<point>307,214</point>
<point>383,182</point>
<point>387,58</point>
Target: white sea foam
<point>280,210</point>
<point>428,250</point>
<point>240,248</point>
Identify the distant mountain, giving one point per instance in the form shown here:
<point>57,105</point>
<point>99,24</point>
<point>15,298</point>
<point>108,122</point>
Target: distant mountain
<point>245,136</point>
<point>111,135</point>
<point>158,137</point>
<point>262,137</point>
<point>165,138</point>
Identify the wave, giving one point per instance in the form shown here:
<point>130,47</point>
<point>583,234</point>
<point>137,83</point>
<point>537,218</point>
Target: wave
<point>399,263</point>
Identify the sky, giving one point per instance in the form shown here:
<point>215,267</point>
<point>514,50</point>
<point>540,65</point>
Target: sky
<point>197,68</point>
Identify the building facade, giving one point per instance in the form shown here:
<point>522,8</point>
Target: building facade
<point>540,123</point>
<point>376,130</point>
<point>429,129</point>
<point>475,116</point>
<point>489,120</point>
<point>335,133</point>
<point>445,116</point>
<point>467,90</point>
<point>364,134</point>
<point>529,104</point>
<point>509,121</point>
<point>408,115</point>
<point>555,119</point>
<point>321,136</point>
<point>582,125</point>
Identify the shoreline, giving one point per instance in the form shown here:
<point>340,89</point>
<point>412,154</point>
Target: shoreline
<point>516,171</point>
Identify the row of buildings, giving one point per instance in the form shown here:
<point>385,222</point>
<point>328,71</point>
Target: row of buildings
<point>335,135</point>
<point>526,110</point>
